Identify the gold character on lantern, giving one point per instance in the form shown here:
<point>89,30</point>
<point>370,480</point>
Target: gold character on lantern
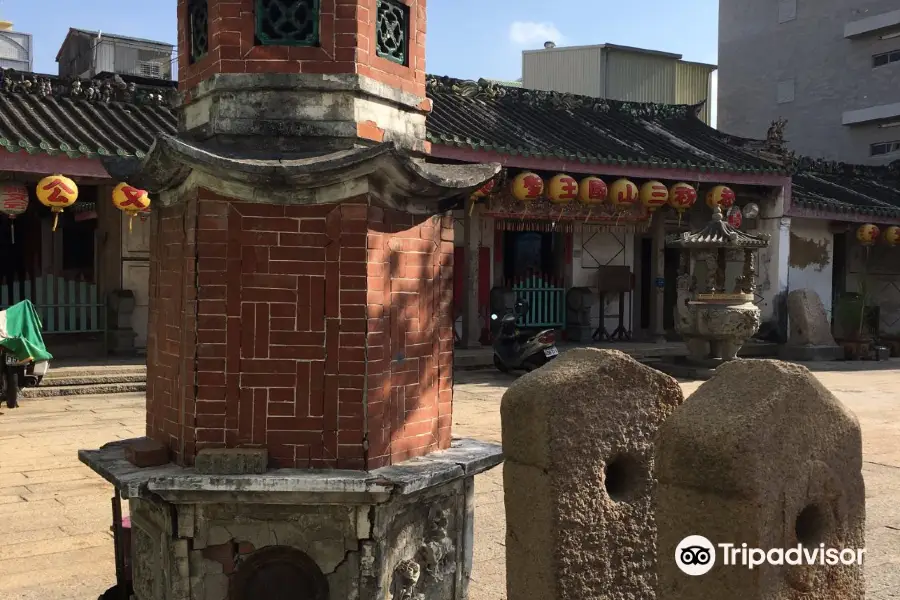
<point>57,193</point>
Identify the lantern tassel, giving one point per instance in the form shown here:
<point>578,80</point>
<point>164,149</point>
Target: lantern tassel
<point>12,231</point>
<point>55,220</point>
<point>131,223</point>
<point>471,206</point>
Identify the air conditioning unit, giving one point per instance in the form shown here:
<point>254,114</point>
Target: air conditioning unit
<point>149,68</point>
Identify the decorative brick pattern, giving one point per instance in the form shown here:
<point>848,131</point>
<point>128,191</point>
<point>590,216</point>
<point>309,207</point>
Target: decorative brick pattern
<point>347,45</point>
<point>322,333</point>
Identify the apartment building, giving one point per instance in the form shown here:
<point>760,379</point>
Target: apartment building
<point>830,67</point>
<point>619,73</point>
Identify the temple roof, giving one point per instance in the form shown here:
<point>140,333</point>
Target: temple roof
<point>717,234</point>
<point>116,119</point>
<point>848,189</point>
<point>104,117</point>
<point>493,117</point>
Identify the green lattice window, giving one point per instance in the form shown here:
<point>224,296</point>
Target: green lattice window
<point>198,29</point>
<point>287,22</point>
<point>392,31</point>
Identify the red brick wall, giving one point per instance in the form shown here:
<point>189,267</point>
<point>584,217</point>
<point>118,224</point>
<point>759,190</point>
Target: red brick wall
<point>323,333</point>
<point>347,38</point>
<point>171,337</point>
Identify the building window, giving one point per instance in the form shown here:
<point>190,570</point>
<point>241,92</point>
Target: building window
<point>787,10</point>
<point>885,58</point>
<point>884,148</point>
<point>287,22</point>
<point>785,91</point>
<point>198,29</point>
<point>148,68</point>
<point>392,31</point>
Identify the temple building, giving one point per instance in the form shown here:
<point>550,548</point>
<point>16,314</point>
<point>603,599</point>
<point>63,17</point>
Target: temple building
<point>608,248</point>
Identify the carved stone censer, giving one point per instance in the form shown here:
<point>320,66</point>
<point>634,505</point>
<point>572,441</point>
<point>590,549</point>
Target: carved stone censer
<point>716,321</point>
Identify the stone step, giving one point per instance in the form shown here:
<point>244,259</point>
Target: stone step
<point>94,389</point>
<point>65,379</point>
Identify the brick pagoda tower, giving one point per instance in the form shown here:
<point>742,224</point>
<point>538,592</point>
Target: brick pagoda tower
<point>300,344</point>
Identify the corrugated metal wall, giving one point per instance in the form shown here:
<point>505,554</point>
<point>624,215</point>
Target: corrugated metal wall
<point>692,85</point>
<point>15,50</point>
<point>640,77</point>
<point>568,70</point>
<point>632,76</point>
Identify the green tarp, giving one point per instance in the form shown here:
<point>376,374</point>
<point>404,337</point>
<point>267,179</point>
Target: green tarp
<point>20,332</point>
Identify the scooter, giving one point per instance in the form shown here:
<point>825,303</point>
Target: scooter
<point>516,351</point>
<point>17,374</point>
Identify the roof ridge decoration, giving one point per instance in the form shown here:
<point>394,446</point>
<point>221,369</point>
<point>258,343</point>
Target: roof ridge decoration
<point>114,89</point>
<point>806,164</point>
<point>485,89</point>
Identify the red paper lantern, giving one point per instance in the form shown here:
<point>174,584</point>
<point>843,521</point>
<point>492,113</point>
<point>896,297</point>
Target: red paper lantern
<point>623,194</point>
<point>654,195</point>
<point>735,217</point>
<point>682,196</point>
<point>13,199</point>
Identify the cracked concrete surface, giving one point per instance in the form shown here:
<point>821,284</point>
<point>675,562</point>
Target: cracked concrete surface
<point>55,513</point>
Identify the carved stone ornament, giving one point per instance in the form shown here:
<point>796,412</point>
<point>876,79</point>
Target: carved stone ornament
<point>439,552</point>
<point>406,578</point>
<point>113,89</point>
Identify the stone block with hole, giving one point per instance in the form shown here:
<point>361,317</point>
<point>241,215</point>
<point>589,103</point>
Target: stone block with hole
<point>578,438</point>
<point>763,455</point>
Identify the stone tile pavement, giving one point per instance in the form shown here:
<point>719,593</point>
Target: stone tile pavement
<point>55,514</point>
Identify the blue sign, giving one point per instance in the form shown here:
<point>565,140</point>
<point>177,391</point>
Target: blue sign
<point>660,282</point>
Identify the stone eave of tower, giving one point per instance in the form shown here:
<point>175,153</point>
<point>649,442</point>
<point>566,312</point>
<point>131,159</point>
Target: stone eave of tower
<point>389,174</point>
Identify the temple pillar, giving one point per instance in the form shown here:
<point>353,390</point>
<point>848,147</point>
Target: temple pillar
<point>658,270</point>
<point>774,265</point>
<point>471,321</point>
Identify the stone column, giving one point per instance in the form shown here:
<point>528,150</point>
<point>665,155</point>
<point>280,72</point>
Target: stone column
<point>471,323</point>
<point>658,271</point>
<point>774,264</point>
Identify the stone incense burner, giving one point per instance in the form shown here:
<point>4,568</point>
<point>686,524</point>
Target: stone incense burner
<point>716,322</point>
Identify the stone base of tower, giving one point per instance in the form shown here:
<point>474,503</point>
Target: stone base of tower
<point>402,532</point>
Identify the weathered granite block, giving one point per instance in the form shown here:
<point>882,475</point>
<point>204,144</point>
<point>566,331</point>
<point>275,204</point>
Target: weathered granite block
<point>578,439</point>
<point>763,455</point>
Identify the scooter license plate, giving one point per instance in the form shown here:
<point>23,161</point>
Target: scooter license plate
<point>11,360</point>
<point>551,352</point>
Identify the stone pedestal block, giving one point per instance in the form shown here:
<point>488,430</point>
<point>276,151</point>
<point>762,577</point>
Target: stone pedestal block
<point>402,532</point>
<point>761,455</point>
<point>578,439</point>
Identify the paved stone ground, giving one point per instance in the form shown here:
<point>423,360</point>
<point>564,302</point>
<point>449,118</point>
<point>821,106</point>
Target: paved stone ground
<point>55,513</point>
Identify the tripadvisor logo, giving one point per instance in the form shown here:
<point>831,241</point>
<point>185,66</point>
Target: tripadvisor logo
<point>696,555</point>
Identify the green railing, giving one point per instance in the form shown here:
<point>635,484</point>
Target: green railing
<point>64,306</point>
<point>545,295</point>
